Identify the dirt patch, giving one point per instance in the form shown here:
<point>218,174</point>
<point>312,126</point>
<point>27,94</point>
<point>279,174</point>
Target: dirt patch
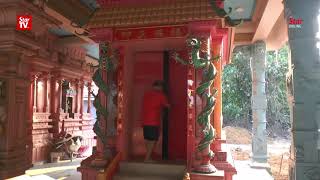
<point>237,135</point>
<point>239,154</point>
<point>280,166</point>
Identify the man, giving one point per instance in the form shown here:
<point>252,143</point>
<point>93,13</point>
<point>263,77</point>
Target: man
<point>153,103</point>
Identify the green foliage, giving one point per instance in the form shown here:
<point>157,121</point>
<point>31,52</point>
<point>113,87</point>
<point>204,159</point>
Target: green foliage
<point>237,88</point>
<point>277,67</point>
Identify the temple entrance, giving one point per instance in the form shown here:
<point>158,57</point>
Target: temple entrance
<point>148,67</point>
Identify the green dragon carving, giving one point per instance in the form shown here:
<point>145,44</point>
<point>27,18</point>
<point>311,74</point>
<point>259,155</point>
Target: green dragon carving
<point>209,72</point>
<point>105,65</point>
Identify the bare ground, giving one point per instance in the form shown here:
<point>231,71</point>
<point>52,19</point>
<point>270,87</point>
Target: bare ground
<point>278,150</point>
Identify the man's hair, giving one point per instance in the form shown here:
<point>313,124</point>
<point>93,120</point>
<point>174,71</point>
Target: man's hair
<point>158,83</point>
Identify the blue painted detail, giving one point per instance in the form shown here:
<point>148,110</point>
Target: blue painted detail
<point>60,32</point>
<point>92,50</point>
<point>248,7</point>
<point>92,4</point>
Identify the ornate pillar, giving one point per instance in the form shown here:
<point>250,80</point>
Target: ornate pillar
<point>76,108</point>
<point>120,95</point>
<point>81,96</point>
<point>303,83</point>
<point>34,84</point>
<point>35,105</point>
<point>191,117</point>
<point>89,98</point>
<point>203,152</point>
<point>258,103</point>
<point>45,93</point>
<point>59,108</point>
<point>204,102</point>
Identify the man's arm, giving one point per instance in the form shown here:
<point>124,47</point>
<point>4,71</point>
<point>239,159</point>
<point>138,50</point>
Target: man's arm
<point>165,102</point>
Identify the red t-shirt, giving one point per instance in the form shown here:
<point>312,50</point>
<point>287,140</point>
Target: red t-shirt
<point>153,102</point>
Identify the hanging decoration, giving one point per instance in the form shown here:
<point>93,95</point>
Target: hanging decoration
<point>217,6</point>
<point>202,90</point>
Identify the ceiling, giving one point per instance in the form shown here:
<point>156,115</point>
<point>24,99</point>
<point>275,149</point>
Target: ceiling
<point>83,9</point>
<point>242,9</point>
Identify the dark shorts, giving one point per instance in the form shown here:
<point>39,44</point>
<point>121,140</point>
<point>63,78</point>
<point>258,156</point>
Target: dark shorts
<point>151,133</point>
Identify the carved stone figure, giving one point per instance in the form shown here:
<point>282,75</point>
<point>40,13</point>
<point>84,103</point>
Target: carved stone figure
<point>312,174</point>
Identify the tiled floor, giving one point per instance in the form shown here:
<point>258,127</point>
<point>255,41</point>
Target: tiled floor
<point>245,172</point>
<point>65,170</point>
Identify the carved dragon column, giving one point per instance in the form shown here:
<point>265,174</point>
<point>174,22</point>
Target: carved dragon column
<point>303,81</point>
<point>204,99</point>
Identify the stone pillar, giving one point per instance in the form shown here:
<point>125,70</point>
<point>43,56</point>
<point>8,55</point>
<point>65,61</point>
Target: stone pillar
<point>258,103</point>
<point>89,98</point>
<point>303,83</point>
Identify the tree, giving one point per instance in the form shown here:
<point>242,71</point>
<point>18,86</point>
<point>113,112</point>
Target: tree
<point>237,89</point>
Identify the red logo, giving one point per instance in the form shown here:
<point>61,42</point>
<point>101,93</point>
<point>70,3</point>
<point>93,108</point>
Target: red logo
<point>295,23</point>
<point>24,22</point>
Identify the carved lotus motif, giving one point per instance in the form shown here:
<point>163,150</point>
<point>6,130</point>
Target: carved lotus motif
<point>313,173</point>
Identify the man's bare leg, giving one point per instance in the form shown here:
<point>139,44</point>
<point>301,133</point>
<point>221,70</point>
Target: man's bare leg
<point>149,146</point>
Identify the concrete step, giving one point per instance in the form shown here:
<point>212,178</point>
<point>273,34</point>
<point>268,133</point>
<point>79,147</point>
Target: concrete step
<point>138,177</point>
<point>149,171</point>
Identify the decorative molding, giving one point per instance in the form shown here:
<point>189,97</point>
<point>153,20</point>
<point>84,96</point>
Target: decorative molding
<point>2,90</point>
<point>299,152</point>
<point>312,173</point>
<point>150,33</point>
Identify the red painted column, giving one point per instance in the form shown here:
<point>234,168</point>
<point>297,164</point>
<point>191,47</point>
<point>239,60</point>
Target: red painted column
<point>81,96</point>
<point>34,82</point>
<point>45,93</point>
<point>76,109</point>
<point>191,117</point>
<point>220,160</point>
<point>121,138</point>
<point>216,46</point>
<point>59,109</point>
<point>35,106</point>
<point>216,117</point>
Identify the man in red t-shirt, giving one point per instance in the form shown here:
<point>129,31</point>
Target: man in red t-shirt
<point>153,103</point>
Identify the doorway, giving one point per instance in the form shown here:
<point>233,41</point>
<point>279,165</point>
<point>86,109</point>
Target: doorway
<point>148,67</point>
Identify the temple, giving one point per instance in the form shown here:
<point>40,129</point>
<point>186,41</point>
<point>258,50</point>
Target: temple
<point>48,73</point>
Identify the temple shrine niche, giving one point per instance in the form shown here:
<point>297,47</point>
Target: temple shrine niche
<point>147,46</point>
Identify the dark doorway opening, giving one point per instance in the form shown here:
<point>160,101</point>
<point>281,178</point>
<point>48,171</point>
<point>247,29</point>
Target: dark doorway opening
<point>165,118</point>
